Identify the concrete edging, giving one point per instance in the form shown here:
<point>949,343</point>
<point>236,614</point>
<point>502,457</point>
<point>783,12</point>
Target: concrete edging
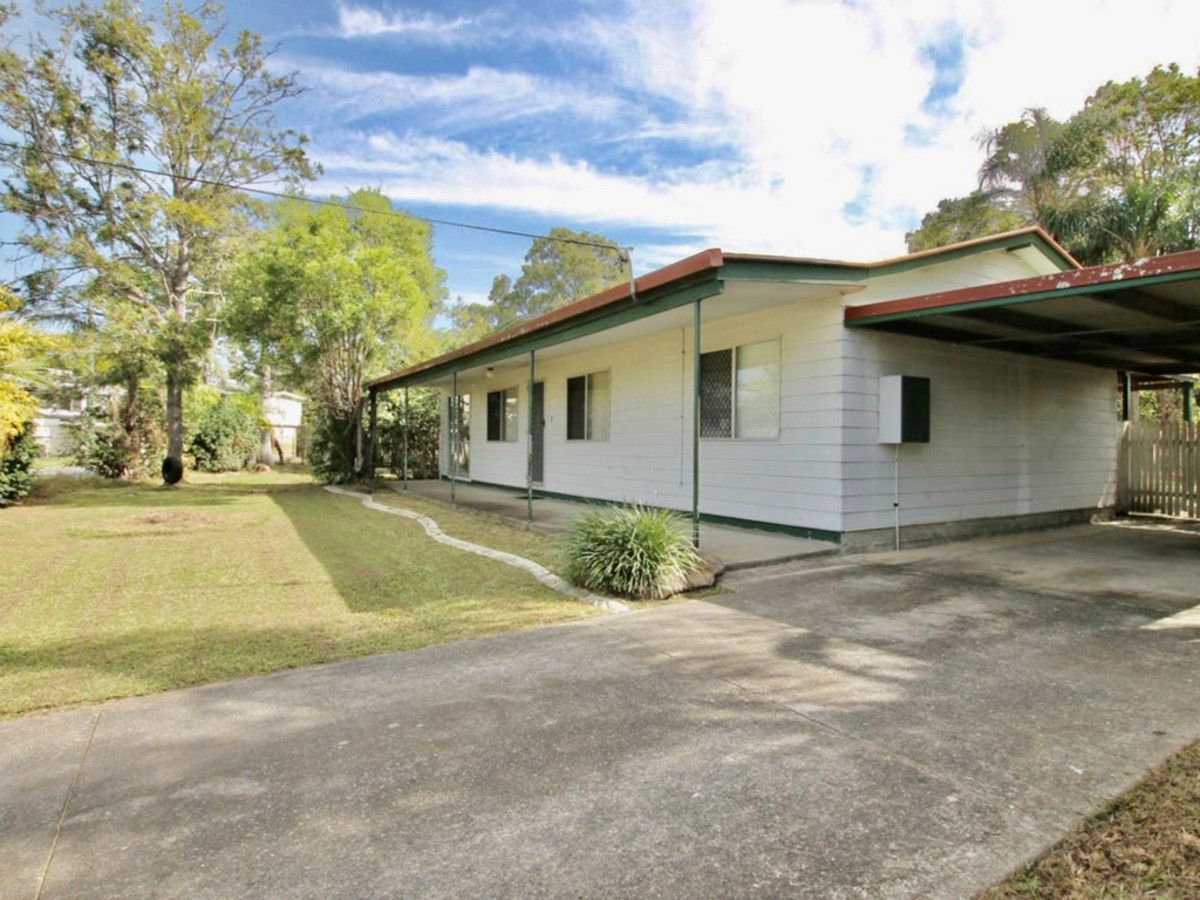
<point>542,574</point>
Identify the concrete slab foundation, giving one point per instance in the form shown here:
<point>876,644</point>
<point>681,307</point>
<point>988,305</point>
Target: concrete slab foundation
<point>738,548</point>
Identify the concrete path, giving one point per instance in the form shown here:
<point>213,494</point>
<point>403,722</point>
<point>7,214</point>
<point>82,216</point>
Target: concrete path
<point>738,548</point>
<point>901,725</point>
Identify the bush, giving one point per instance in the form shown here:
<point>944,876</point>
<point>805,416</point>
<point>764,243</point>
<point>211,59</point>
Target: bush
<point>227,435</point>
<point>330,451</point>
<point>16,466</point>
<point>630,551</point>
<point>424,431</point>
<point>115,449</point>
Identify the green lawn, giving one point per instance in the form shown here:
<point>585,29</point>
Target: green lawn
<point>110,590</point>
<point>480,529</point>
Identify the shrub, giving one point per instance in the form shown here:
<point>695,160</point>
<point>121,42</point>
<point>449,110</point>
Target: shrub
<point>227,435</point>
<point>329,452</point>
<point>16,465</point>
<point>631,551</point>
<point>118,449</point>
<point>424,431</point>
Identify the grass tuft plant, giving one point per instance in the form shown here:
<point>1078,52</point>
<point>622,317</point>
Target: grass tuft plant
<point>631,551</point>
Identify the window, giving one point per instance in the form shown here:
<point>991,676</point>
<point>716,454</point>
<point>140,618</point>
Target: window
<point>502,415</point>
<point>739,391</point>
<point>588,407</point>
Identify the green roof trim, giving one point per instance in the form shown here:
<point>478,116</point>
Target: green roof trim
<point>611,316</point>
<point>1016,241</point>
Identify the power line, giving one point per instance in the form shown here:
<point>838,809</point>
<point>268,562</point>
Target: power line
<point>622,252</point>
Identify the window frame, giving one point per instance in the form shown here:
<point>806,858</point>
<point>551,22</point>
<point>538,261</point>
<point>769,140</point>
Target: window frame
<point>733,400</point>
<point>587,403</point>
<point>505,394</point>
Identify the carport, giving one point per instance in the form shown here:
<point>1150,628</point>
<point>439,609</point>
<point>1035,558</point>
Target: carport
<point>1139,318</point>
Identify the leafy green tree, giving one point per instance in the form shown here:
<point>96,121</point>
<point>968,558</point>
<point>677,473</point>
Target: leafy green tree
<point>960,219</point>
<point>331,295</point>
<point>563,267</point>
<point>1119,180</point>
<point>122,93</point>
<point>22,351</point>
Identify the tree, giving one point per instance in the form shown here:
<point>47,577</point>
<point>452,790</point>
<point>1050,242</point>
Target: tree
<point>332,294</point>
<point>137,131</point>
<point>960,219</point>
<point>1148,201</point>
<point>563,267</point>
<point>1119,180</point>
<point>21,365</point>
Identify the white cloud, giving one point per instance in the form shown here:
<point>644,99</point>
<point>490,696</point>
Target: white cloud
<point>808,96</point>
<point>718,204</point>
<point>481,95</point>
<point>359,22</point>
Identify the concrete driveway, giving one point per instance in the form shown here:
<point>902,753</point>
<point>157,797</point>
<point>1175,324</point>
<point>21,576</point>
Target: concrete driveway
<point>894,725</point>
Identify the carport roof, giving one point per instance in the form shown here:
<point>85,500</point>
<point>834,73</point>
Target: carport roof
<point>1141,316</point>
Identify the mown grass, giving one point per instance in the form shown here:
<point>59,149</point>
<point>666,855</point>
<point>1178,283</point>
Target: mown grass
<point>1144,844</point>
<point>482,529</point>
<point>116,589</point>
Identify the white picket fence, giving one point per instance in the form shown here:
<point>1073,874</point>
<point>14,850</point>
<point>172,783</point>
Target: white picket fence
<point>1160,468</point>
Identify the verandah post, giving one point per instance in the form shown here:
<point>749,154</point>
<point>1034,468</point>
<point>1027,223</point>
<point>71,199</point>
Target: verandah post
<point>529,444</point>
<point>404,470</point>
<point>696,423</point>
<point>454,415</point>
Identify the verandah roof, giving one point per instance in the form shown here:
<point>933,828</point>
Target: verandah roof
<point>698,277</point>
<point>1141,316</point>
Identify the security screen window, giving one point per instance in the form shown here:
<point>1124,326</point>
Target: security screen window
<point>502,415</point>
<point>588,407</point>
<point>739,392</point>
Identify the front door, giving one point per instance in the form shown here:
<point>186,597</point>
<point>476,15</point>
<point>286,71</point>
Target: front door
<point>537,432</point>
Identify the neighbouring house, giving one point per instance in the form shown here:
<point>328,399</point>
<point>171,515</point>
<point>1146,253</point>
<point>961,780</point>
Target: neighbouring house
<point>282,413</point>
<point>966,389</point>
<point>52,430</point>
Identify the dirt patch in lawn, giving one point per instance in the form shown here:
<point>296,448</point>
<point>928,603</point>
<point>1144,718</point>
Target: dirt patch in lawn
<point>155,522</point>
<point>1145,843</point>
<point>177,518</point>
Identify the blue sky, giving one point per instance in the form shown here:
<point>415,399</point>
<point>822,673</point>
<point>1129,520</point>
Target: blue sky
<point>809,128</point>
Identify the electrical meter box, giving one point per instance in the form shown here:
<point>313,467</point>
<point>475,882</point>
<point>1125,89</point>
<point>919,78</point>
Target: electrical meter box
<point>903,409</point>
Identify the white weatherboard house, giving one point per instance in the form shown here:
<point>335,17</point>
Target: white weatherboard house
<point>756,388</point>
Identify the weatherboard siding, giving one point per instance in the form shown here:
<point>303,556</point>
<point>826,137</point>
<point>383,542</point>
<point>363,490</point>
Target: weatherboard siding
<point>1010,435</point>
<point>790,480</point>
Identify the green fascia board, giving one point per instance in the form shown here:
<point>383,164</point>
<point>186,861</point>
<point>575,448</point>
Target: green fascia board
<point>1012,242</point>
<point>1051,294</point>
<point>678,294</point>
<point>816,534</point>
<point>782,270</point>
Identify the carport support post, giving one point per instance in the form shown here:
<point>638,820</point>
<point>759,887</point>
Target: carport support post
<point>454,415</point>
<point>1189,393</point>
<point>404,469</point>
<point>1126,395</point>
<point>696,424</point>
<point>529,444</point>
